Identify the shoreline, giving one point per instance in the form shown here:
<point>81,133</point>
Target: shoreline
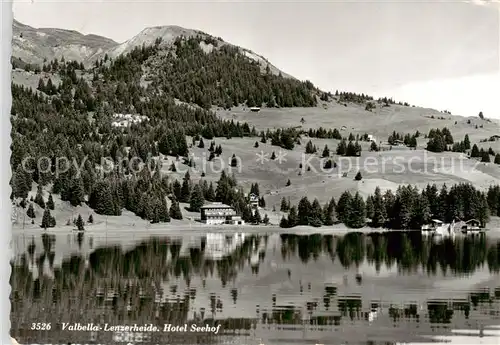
<point>181,229</point>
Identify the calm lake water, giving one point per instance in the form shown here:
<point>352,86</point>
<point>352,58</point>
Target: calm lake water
<point>261,288</point>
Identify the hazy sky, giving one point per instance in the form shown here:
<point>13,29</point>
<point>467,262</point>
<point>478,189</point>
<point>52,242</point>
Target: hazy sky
<point>404,49</point>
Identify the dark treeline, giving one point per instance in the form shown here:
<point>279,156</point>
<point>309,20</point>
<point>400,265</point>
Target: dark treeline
<point>442,140</point>
<point>353,97</point>
<point>406,208</point>
<point>287,138</point>
<point>439,140</point>
<point>321,133</point>
<point>484,155</point>
<point>408,139</point>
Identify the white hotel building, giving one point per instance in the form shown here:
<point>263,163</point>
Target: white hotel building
<point>219,213</point>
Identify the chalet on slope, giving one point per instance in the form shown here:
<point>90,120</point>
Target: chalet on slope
<point>218,213</point>
<point>255,109</point>
<point>253,200</point>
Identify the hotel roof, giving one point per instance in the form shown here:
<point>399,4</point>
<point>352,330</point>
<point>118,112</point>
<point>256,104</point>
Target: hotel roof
<point>217,205</point>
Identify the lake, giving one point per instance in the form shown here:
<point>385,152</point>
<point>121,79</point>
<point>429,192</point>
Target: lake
<point>269,288</point>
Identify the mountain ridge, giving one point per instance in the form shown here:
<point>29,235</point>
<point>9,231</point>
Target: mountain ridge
<point>36,45</point>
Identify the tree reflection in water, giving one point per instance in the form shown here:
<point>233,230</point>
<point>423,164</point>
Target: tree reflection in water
<point>118,286</point>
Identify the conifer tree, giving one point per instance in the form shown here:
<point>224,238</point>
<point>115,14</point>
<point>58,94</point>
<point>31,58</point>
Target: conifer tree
<point>342,148</point>
<point>164,214</point>
<point>310,148</point>
<point>47,220</point>
<point>91,219</point>
<point>256,217</point>
<point>50,202</point>
<point>39,197</point>
<point>353,149</point>
<point>358,176</point>
<point>77,194</point>
<point>210,194</point>
<point>379,209</point>
<point>329,213</point>
<point>483,211</point>
<point>196,200</point>
<point>485,157</point>
<point>31,211</point>
<point>175,210</point>
<point>370,212</point>
<point>474,151</point>
<point>497,158</point>
<point>293,219</point>
<point>50,88</point>
<point>254,189</point>
<point>374,147</point>
<point>342,206</point>
<point>177,189</point>
<point>262,202</point>
<point>79,223</point>
<point>102,199</point>
<point>326,152</point>
<point>284,205</point>
<point>21,183</point>
<point>186,188</point>
<point>467,142</point>
<point>442,208</point>
<point>421,212</point>
<point>41,85</point>
<point>304,211</point>
<point>218,150</point>
<point>234,161</point>
<point>201,144</point>
<point>265,220</point>
<point>283,222</point>
<point>316,216</point>
<point>356,212</point>
<point>288,183</point>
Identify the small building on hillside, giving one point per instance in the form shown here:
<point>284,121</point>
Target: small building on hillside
<point>255,109</point>
<point>219,213</point>
<point>126,120</point>
<point>371,138</point>
<point>253,200</point>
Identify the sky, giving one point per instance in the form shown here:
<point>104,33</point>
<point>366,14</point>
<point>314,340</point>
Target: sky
<point>441,54</point>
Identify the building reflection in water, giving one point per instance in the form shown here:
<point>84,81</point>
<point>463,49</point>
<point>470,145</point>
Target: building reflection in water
<point>378,288</point>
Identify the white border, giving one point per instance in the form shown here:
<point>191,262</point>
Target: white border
<point>5,228</point>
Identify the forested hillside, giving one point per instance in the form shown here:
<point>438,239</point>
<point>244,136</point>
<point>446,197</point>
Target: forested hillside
<point>224,77</point>
<point>73,119</point>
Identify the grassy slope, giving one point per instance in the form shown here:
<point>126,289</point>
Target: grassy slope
<point>272,175</point>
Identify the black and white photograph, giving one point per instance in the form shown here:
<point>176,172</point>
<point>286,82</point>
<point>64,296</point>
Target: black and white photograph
<point>253,172</point>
